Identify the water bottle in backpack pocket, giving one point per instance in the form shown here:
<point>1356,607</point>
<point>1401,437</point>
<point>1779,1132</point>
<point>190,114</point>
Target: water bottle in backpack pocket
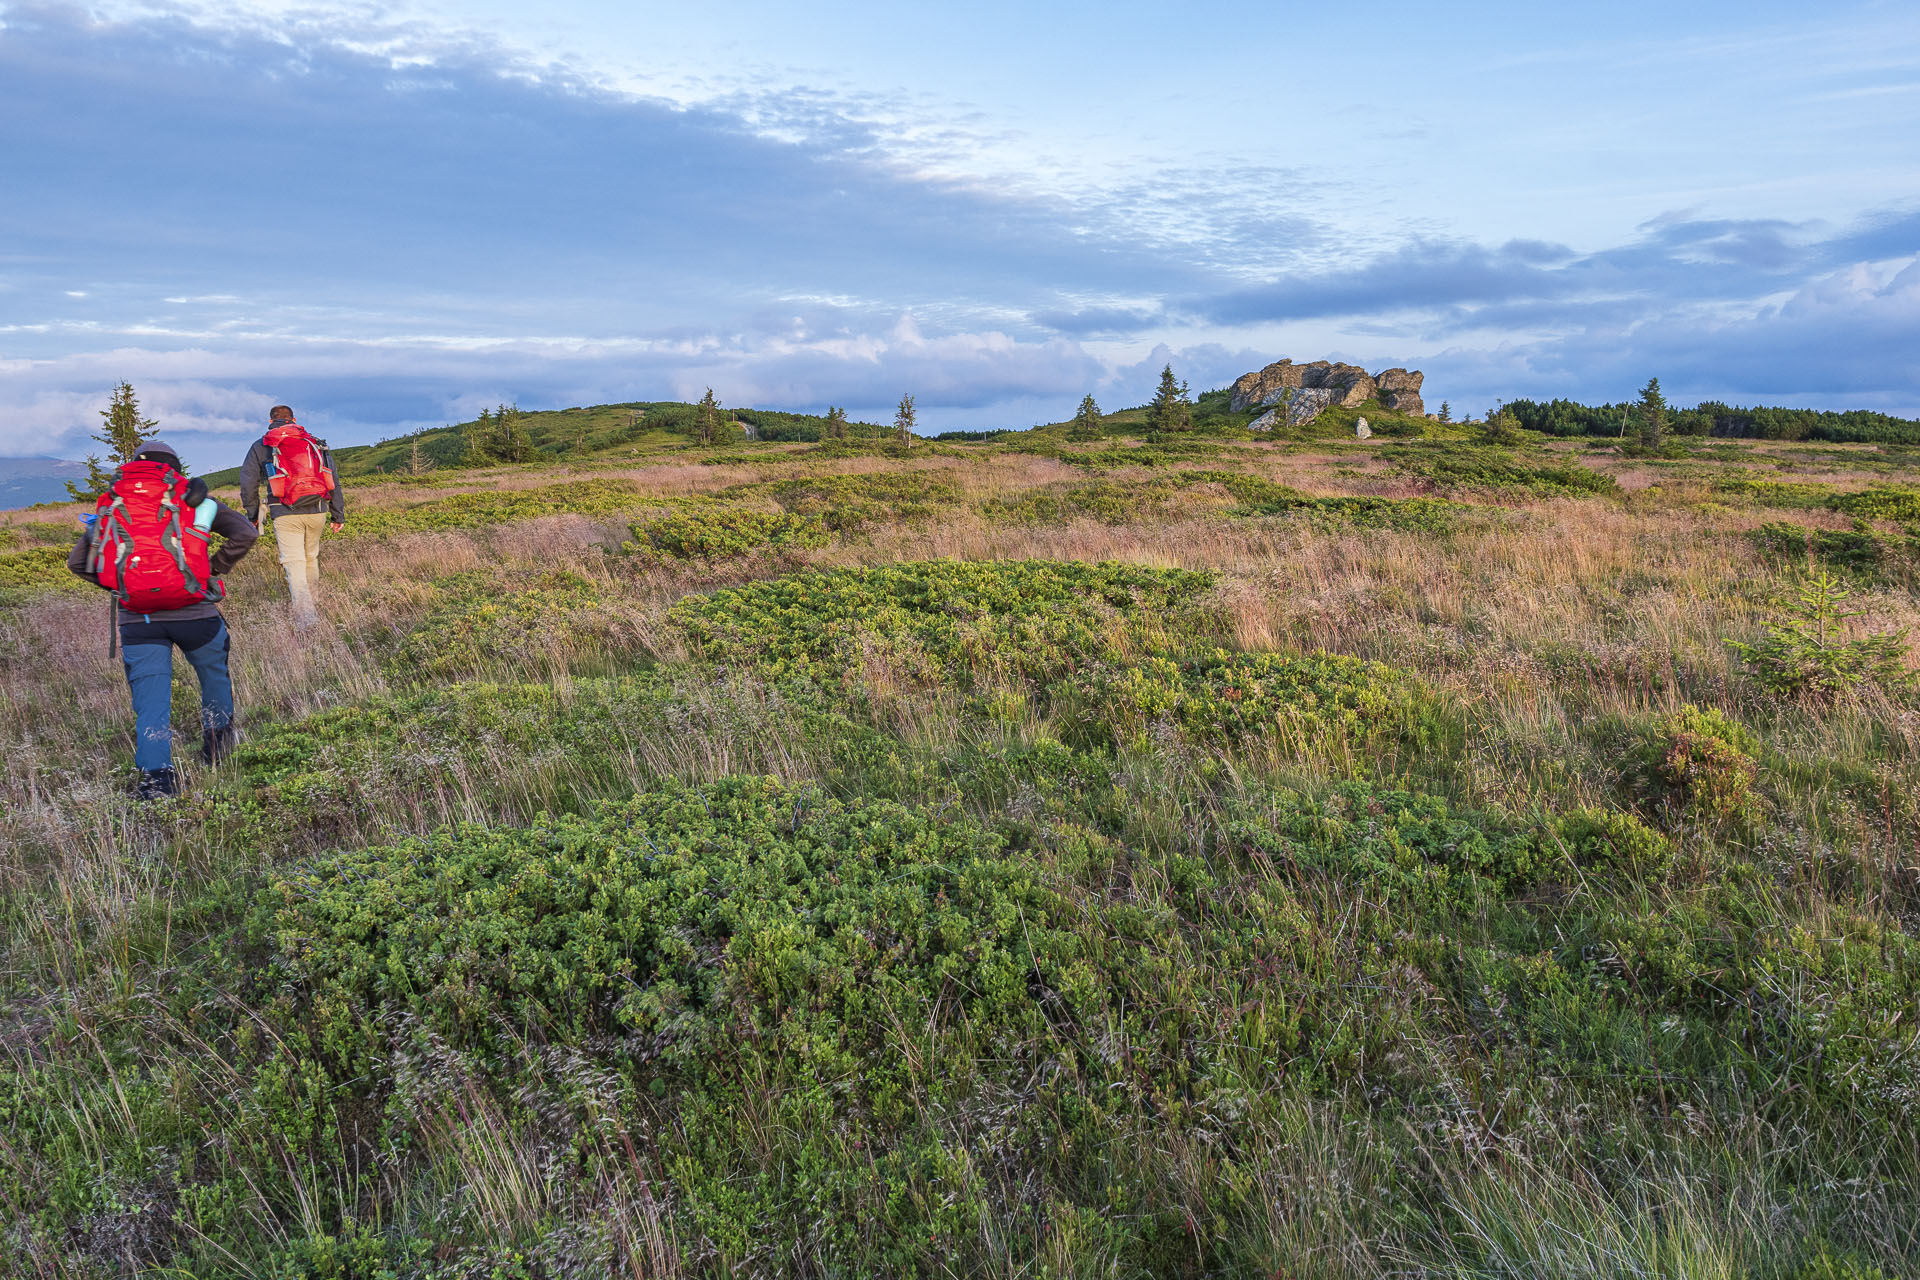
<point>144,551</point>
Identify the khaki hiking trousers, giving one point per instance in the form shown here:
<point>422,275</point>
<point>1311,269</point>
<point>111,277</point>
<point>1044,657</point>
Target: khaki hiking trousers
<point>299,541</point>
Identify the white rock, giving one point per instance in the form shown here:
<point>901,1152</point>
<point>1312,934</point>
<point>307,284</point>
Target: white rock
<point>1361,430</point>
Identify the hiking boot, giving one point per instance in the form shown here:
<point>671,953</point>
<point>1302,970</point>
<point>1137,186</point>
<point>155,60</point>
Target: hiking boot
<point>217,744</point>
<point>157,784</point>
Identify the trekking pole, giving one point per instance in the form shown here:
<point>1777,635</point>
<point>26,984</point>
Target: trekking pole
<point>113,626</point>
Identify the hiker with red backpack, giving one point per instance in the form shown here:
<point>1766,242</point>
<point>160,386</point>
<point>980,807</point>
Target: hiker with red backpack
<point>150,542</point>
<point>304,497</point>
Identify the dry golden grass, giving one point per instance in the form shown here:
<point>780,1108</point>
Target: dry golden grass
<point>1536,623</point>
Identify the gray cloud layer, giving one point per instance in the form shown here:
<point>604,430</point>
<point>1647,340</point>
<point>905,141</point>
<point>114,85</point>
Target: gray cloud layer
<point>230,218</point>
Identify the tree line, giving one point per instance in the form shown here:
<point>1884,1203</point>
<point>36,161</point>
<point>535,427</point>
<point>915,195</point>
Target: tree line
<point>1714,418</point>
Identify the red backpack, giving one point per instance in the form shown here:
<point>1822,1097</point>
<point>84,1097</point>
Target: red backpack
<point>298,469</point>
<point>146,548</point>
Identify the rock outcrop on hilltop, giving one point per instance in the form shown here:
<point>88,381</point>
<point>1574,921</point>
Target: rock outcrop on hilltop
<point>1321,383</point>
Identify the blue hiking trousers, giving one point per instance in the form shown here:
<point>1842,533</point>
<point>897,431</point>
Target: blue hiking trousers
<point>147,649</point>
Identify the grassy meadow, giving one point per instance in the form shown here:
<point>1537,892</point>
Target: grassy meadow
<point>1025,857</point>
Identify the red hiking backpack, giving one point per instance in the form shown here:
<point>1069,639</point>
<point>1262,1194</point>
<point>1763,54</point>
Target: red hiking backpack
<point>146,548</point>
<point>298,469</point>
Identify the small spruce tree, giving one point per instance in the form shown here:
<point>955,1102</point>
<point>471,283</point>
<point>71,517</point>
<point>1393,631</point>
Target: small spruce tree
<point>1500,428</point>
<point>836,422</point>
<point>1652,412</point>
<point>903,421</point>
<point>1086,423</point>
<point>121,432</point>
<point>1170,410</point>
<point>479,451</point>
<point>511,440</point>
<point>708,418</point>
<point>1446,412</point>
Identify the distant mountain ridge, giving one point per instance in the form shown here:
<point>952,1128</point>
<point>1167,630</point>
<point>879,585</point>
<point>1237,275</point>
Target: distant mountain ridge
<point>25,481</point>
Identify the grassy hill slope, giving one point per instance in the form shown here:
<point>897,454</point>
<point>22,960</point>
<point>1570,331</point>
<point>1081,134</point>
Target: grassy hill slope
<point>1200,856</point>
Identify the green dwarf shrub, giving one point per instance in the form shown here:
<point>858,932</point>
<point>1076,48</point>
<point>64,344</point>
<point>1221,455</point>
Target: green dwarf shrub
<point>1822,1013</point>
<point>1860,550</point>
<point>1160,453</point>
<point>722,533</point>
<point>852,504</point>
<point>1901,504</point>
<point>1480,468</point>
<point>1407,515</point>
<point>1129,501</point>
<point>1772,493</point>
<point>1612,839</point>
<point>1108,501</point>
<point>24,573</point>
<point>1707,761</point>
<point>23,534</point>
<point>1248,490</point>
<point>484,623</point>
<point>946,622</point>
<point>1322,701</point>
<point>694,915</point>
<point>500,506</point>
<point>1398,847</point>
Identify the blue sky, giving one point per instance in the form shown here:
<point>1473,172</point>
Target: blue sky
<point>391,215</point>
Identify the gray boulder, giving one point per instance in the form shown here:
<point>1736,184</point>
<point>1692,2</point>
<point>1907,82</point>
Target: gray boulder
<point>1329,382</point>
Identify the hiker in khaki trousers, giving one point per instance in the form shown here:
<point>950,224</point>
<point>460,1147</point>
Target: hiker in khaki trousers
<point>304,497</point>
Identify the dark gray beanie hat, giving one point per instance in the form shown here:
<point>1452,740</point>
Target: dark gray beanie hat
<point>156,451</point>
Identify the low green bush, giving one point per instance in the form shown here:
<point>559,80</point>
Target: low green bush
<point>515,746</point>
<point>1404,515</point>
<point>1901,504</point>
<point>1158,453</point>
<point>1772,493</point>
<point>487,623</point>
<point>1248,490</point>
<point>1394,847</point>
<point>1824,1012</point>
<point>960,623</point>
<point>1323,703</point>
<point>720,533</point>
<point>1860,550</point>
<point>471,510</point>
<point>1482,468</point>
<point>854,504</point>
<point>700,917</point>
<point>1612,839</point>
<point>1131,501</point>
<point>1707,760</point>
<point>24,534</point>
<point>27,573</point>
